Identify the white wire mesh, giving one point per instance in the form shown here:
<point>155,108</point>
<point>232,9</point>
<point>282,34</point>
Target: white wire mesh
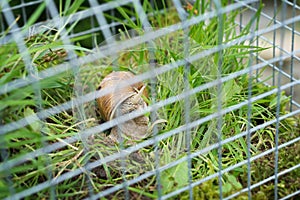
<point>64,148</point>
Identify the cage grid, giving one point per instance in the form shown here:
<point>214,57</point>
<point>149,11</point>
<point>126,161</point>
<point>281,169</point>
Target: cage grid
<point>57,147</point>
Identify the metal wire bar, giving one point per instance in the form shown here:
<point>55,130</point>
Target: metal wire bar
<point>292,57</point>
<point>102,21</point>
<point>220,29</point>
<point>249,113</point>
<point>187,104</point>
<point>291,195</point>
<point>283,15</point>
<point>21,5</point>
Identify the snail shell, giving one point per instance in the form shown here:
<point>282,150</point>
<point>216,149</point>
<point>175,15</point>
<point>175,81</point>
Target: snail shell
<point>123,100</point>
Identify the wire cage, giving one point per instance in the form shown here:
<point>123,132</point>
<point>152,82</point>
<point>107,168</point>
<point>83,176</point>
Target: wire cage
<point>149,99</point>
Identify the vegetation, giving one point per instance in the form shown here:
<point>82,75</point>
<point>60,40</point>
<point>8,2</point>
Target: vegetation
<point>48,50</point>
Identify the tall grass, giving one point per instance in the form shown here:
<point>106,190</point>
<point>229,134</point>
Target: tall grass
<point>47,50</point>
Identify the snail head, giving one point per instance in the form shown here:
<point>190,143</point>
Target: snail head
<point>138,95</point>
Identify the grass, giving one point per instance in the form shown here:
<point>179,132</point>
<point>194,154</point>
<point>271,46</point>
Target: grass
<point>47,50</point>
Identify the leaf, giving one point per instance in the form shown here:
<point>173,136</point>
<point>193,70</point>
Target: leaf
<point>283,99</point>
<point>226,188</point>
<point>35,16</point>
<point>174,178</point>
<point>6,103</point>
<point>230,88</point>
<point>35,126</point>
<point>74,7</point>
<point>233,181</point>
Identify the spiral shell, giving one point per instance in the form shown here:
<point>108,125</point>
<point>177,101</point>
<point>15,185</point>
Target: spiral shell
<point>123,100</point>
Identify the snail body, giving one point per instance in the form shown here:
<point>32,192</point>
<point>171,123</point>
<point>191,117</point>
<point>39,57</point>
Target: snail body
<point>121,101</point>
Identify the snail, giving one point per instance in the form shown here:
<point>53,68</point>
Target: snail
<point>121,101</point>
